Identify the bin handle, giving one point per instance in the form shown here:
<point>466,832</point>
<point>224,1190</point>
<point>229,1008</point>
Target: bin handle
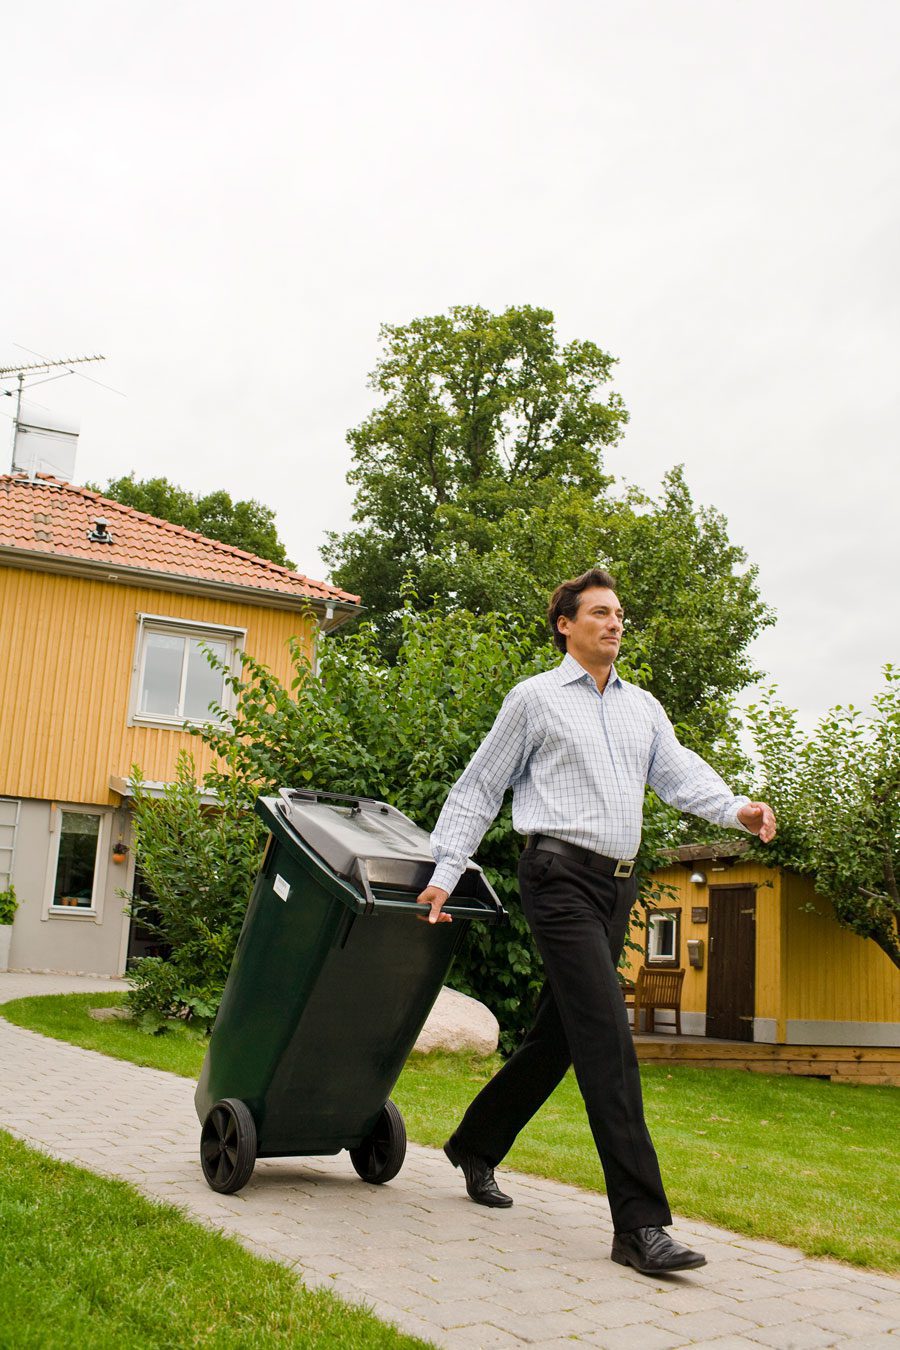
<point>361,868</point>
<point>289,795</point>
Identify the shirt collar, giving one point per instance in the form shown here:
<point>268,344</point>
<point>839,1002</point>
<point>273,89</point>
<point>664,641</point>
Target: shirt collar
<point>570,671</point>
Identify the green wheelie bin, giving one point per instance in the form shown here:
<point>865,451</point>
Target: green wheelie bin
<point>331,983</point>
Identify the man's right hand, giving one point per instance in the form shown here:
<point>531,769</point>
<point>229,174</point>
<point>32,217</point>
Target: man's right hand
<point>436,898</point>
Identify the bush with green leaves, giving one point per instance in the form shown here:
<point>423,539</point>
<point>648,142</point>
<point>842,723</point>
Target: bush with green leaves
<point>199,864</point>
<point>8,904</point>
<point>158,994</point>
<point>837,798</point>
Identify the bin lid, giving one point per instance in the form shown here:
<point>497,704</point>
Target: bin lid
<point>345,831</point>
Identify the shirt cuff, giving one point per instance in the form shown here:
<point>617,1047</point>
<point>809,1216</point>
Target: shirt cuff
<point>446,875</point>
<point>732,821</point>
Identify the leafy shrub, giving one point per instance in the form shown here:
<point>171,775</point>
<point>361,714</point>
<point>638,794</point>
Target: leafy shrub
<point>8,905</point>
<point>837,797</point>
<point>199,865</point>
<point>159,995</point>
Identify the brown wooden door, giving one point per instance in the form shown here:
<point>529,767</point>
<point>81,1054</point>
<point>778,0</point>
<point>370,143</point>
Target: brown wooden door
<point>731,983</point>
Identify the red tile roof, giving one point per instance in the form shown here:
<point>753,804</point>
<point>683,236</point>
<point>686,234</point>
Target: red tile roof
<point>47,515</point>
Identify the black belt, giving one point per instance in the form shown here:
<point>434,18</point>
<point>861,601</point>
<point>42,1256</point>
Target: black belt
<point>613,867</point>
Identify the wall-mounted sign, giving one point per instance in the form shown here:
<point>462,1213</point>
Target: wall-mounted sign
<point>699,914</point>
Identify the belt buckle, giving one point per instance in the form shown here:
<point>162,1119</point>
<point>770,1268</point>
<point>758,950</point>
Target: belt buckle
<point>624,867</point>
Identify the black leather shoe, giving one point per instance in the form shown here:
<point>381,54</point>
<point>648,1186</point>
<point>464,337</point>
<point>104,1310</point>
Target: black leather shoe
<point>479,1176</point>
<point>652,1252</point>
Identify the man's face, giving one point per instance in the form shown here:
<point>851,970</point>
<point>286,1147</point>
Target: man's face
<point>594,635</point>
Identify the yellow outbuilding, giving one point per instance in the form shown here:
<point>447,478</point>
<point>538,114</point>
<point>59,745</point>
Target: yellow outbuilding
<point>765,962</point>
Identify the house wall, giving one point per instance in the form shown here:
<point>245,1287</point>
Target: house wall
<point>839,989</point>
<point>69,648</point>
<point>89,943</point>
<point>66,676</point>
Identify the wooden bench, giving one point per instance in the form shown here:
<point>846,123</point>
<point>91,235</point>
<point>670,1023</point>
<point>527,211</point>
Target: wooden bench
<point>655,989</point>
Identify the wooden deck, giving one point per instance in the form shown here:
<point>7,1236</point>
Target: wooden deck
<point>841,1063</point>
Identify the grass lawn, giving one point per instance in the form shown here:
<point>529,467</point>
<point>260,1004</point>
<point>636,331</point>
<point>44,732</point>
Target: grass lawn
<point>808,1163</point>
<point>88,1262</point>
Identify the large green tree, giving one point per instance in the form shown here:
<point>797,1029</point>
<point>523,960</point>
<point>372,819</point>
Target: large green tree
<point>692,601</point>
<point>837,797</point>
<point>473,408</point>
<point>244,524</point>
<point>480,476</point>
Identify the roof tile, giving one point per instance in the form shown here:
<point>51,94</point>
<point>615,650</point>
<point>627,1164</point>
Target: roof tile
<point>47,515</point>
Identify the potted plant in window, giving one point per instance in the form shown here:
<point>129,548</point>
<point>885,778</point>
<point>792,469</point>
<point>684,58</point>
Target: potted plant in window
<point>8,906</point>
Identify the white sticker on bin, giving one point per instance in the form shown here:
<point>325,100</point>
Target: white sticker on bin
<point>281,887</point>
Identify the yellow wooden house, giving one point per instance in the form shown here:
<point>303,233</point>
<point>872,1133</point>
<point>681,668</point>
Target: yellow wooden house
<point>104,615</point>
<point>764,960</point>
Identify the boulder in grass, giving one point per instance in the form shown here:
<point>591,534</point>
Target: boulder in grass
<point>457,1022</point>
<point>110,1014</point>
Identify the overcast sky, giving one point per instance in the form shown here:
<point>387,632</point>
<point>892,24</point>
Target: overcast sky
<point>227,200</point>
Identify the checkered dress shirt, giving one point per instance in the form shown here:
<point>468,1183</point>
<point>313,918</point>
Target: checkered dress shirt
<point>577,762</point>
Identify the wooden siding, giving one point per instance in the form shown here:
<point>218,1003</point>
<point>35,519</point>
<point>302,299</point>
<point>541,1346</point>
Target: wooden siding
<point>840,1063</point>
<point>68,648</point>
<point>831,975</point>
<point>808,968</point>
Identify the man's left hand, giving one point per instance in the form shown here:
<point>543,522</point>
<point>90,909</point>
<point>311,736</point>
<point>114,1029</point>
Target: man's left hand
<point>759,819</point>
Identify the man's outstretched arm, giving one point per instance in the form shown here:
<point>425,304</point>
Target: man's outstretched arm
<point>685,780</point>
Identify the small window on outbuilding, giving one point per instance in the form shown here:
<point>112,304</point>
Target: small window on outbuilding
<point>663,937</point>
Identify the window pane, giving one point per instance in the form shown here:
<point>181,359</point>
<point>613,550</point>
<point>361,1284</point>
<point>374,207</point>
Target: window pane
<point>203,683</point>
<point>77,861</point>
<point>662,937</point>
<point>163,659</point>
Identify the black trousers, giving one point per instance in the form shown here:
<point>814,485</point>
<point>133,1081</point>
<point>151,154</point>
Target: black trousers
<point>579,918</point>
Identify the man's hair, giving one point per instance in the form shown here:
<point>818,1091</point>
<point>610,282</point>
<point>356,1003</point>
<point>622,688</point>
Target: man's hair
<point>567,597</point>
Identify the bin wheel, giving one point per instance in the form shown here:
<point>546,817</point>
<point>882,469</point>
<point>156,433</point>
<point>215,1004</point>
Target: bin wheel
<point>380,1157</point>
<point>228,1146</point>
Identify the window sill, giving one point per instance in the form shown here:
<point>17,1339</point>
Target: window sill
<point>174,724</point>
<point>71,912</point>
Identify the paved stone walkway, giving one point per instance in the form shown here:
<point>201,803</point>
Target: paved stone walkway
<point>417,1251</point>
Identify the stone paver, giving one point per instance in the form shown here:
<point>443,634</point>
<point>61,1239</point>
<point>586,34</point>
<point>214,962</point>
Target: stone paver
<point>417,1251</point>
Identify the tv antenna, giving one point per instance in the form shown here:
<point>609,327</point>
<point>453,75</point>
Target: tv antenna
<point>42,367</point>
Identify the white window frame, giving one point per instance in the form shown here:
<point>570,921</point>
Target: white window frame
<point>94,911</point>
<point>234,638</point>
<point>5,872</point>
<point>654,956</point>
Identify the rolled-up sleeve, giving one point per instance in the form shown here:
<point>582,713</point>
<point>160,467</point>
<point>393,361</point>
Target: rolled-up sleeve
<point>686,781</point>
<point>477,795</point>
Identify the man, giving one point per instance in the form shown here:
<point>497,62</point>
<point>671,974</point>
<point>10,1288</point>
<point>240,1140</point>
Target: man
<point>577,744</point>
